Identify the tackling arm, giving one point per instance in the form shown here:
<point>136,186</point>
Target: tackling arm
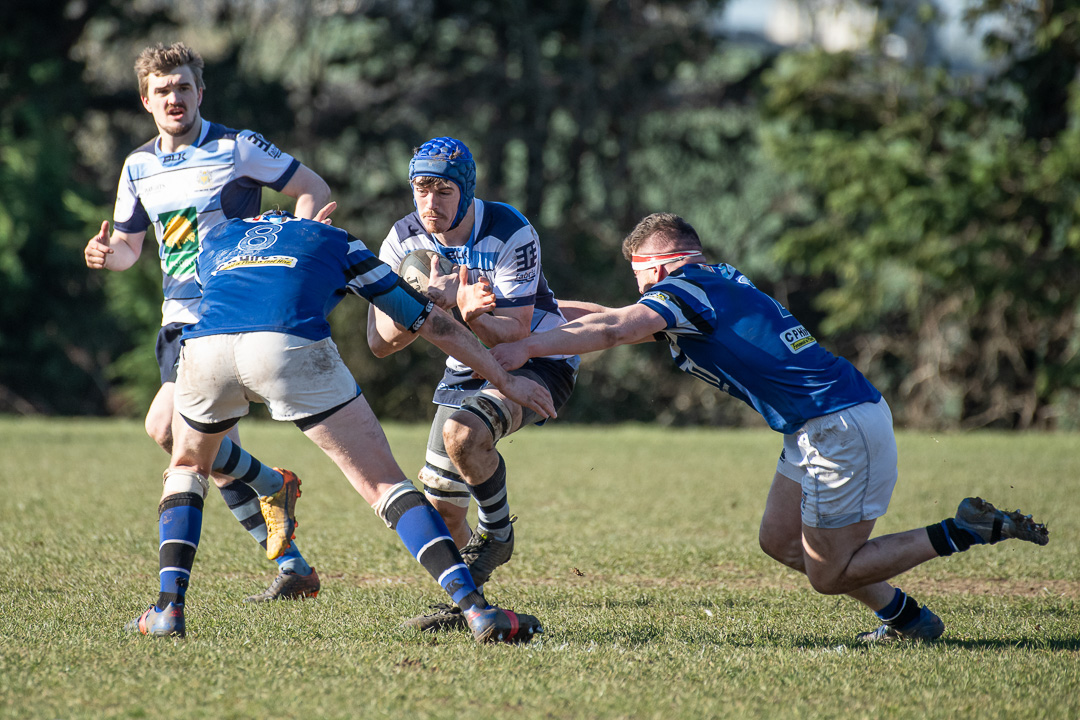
<point>574,309</point>
<point>385,336</point>
<point>589,333</point>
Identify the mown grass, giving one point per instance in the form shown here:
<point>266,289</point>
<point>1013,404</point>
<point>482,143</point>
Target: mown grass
<point>636,546</point>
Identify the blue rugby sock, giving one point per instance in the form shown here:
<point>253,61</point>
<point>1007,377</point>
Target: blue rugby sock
<point>179,529</point>
<point>427,539</point>
<point>291,560</point>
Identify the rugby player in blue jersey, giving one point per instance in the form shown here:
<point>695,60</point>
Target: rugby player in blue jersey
<point>500,293</point>
<point>262,336</point>
<point>838,464</point>
<point>192,176</point>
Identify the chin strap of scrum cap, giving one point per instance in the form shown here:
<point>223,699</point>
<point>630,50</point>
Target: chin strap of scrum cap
<point>492,410</point>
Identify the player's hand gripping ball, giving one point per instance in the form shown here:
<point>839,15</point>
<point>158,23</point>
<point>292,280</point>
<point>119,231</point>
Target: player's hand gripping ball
<point>415,268</point>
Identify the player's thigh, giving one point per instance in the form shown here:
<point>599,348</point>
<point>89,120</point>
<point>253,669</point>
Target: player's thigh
<point>194,449</point>
<point>780,534</point>
<point>159,417</point>
<point>352,437</point>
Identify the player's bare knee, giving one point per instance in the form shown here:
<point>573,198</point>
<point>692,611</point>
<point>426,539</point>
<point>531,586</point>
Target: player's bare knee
<point>464,432</point>
<point>783,553</point>
<point>160,432</point>
<point>829,583</point>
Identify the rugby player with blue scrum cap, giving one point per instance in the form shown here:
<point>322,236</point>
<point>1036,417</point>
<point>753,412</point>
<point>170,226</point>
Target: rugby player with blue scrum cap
<point>192,176</point>
<point>268,284</point>
<point>838,465</point>
<point>500,293</point>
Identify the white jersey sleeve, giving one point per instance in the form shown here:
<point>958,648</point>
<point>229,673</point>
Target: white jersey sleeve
<point>392,251</point>
<point>516,274</point>
<point>129,215</point>
<point>262,161</point>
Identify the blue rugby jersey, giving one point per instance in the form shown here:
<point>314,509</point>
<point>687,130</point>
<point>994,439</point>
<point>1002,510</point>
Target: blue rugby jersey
<point>505,249</point>
<point>278,273</point>
<point>725,331</point>
<point>186,193</point>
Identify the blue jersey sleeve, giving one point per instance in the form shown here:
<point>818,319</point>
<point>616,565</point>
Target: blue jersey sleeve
<point>373,280</point>
<point>684,306</point>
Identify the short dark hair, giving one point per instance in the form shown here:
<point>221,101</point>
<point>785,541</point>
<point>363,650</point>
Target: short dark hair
<point>676,232</point>
<point>158,60</point>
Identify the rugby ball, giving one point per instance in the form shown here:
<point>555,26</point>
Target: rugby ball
<point>416,267</point>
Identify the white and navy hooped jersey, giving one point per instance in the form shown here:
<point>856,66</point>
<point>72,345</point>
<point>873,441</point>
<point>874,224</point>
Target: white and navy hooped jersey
<point>728,333</point>
<point>278,273</point>
<point>504,248</point>
<point>186,193</point>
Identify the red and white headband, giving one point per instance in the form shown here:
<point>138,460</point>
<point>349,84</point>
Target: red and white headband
<point>644,262</point>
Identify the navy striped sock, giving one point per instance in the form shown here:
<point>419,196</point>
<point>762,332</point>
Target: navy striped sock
<point>900,612</point>
<point>243,502</point>
<point>238,463</point>
<point>493,510</point>
<point>947,537</point>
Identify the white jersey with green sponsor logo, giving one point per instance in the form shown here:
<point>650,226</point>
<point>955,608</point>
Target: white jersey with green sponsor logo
<point>186,193</point>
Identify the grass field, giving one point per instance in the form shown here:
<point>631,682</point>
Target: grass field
<point>636,546</point>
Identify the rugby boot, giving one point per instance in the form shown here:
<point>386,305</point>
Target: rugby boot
<point>992,525</point>
<point>483,553</point>
<point>443,617</point>
<point>279,512</point>
<point>926,628</point>
<point>495,625</point>
<point>160,623</point>
<point>289,585</point>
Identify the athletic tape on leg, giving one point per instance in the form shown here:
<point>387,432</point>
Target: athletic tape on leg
<point>492,410</point>
<point>185,481</point>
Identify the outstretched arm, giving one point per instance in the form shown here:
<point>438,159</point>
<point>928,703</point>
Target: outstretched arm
<point>574,309</point>
<point>589,333</point>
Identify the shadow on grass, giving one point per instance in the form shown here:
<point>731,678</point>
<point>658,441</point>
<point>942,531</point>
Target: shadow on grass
<point>1067,644</point>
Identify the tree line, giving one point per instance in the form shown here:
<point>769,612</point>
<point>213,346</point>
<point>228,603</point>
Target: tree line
<point>921,218</point>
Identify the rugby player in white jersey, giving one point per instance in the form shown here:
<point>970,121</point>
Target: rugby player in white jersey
<point>192,176</point>
<point>838,464</point>
<point>500,293</point>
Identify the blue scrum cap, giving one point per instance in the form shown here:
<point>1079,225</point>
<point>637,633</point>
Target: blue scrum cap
<point>448,158</point>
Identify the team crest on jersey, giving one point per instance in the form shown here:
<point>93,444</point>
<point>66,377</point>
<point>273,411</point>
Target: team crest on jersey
<point>180,241</point>
<point>204,178</point>
<point>797,338</point>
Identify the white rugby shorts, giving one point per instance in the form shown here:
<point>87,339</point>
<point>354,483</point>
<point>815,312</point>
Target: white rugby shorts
<point>846,464</point>
<point>219,375</point>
